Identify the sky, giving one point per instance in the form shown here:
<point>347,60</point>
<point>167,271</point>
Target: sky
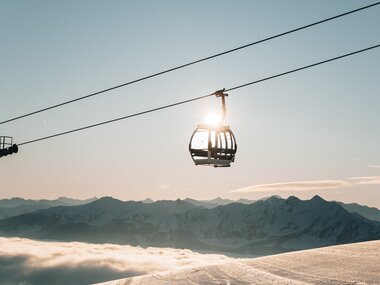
<point>312,132</point>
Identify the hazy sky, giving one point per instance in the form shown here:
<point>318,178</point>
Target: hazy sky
<point>314,130</point>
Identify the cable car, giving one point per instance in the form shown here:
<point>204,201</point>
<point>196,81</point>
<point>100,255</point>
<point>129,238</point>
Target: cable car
<point>7,146</point>
<point>213,145</point>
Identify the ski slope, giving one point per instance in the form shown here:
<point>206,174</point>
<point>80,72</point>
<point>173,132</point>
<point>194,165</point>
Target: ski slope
<point>357,263</point>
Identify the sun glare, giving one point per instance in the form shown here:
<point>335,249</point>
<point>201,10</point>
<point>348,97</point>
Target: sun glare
<point>213,120</point>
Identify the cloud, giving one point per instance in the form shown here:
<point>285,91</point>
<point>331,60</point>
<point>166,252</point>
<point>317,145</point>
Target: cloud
<point>373,166</point>
<point>29,262</point>
<point>165,186</point>
<point>294,186</point>
<point>367,180</point>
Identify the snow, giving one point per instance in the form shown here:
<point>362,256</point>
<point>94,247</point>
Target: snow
<point>356,263</point>
<point>265,227</point>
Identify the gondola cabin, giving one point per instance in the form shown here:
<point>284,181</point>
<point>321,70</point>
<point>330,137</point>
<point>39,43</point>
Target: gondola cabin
<point>7,146</point>
<point>213,146</point>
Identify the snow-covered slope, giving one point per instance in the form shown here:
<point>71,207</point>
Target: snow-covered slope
<point>336,265</point>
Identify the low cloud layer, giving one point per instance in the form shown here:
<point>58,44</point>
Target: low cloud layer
<point>294,186</point>
<point>367,180</point>
<point>29,262</point>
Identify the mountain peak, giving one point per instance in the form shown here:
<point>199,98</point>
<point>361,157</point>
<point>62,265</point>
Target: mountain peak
<point>293,198</point>
<point>217,199</point>
<point>220,201</point>
<point>272,199</point>
<point>318,198</point>
<point>148,201</point>
<point>63,198</point>
<point>107,200</point>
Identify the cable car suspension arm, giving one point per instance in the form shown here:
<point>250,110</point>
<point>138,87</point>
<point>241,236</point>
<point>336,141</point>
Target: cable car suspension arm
<point>221,94</point>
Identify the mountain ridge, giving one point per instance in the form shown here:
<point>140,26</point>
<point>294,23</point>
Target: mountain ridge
<point>17,206</point>
<point>266,226</point>
<point>60,201</point>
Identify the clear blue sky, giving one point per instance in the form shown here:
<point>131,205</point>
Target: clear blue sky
<point>316,125</point>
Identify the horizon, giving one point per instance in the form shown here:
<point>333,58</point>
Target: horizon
<point>304,134</point>
<point>191,198</point>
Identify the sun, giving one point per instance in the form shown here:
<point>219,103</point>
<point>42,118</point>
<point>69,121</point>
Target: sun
<point>213,120</point>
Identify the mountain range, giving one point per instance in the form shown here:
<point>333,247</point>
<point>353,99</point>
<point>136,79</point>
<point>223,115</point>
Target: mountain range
<point>221,202</point>
<point>264,227</point>
<point>17,206</point>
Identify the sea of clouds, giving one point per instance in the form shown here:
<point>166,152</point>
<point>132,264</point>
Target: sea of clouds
<point>30,262</point>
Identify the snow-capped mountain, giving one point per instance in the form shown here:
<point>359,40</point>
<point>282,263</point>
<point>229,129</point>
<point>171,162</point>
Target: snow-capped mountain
<point>273,225</point>
<point>17,206</point>
<point>222,202</point>
<point>61,201</point>
<point>370,213</point>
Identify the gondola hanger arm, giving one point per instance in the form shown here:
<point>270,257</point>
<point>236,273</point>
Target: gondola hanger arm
<point>221,94</point>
